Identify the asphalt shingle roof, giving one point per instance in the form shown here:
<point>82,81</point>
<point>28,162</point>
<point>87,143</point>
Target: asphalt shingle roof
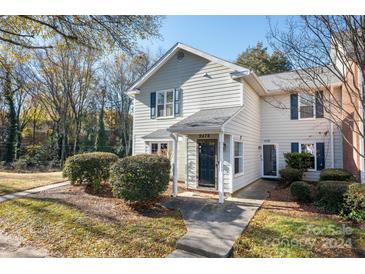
<point>286,81</point>
<point>158,134</point>
<point>205,119</point>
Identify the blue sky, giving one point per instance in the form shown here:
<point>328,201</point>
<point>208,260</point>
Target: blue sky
<point>223,36</point>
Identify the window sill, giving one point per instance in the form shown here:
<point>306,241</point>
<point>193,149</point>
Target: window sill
<point>165,118</point>
<point>306,119</point>
<point>238,175</point>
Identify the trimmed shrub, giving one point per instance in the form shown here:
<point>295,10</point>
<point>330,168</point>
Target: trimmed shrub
<point>140,177</point>
<point>336,174</point>
<point>298,160</point>
<point>301,191</point>
<point>331,194</point>
<point>354,203</point>
<point>89,168</point>
<point>289,175</point>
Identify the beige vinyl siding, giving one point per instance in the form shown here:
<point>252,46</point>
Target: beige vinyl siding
<point>204,84</point>
<point>278,128</point>
<point>247,124</point>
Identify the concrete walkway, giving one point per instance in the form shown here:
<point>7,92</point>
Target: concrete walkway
<point>212,227</point>
<point>12,248</point>
<point>24,193</point>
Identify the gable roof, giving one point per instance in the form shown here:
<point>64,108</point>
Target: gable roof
<point>171,52</point>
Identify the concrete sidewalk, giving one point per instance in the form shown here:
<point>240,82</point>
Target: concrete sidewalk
<point>25,193</point>
<point>11,247</point>
<point>212,227</point>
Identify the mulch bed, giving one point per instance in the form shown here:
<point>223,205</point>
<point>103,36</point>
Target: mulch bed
<point>105,206</point>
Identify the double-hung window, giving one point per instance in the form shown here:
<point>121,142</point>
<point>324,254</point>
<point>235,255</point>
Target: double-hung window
<point>238,158</point>
<point>310,148</point>
<point>306,106</point>
<point>165,103</point>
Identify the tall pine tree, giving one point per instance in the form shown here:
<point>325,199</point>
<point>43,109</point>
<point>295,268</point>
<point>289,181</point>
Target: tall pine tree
<point>257,59</point>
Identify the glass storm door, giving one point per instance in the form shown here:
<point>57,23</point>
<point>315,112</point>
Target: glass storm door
<point>207,162</point>
<point>269,165</point>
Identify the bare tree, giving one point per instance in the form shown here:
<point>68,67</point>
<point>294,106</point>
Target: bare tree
<point>119,73</point>
<point>102,31</point>
<point>326,50</point>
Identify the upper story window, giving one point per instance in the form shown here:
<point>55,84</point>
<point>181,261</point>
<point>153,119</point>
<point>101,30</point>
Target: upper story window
<point>306,106</point>
<point>165,103</point>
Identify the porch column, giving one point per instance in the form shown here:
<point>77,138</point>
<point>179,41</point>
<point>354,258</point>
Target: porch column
<point>220,168</point>
<point>174,165</point>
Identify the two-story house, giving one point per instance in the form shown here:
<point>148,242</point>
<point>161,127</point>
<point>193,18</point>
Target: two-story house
<point>223,127</point>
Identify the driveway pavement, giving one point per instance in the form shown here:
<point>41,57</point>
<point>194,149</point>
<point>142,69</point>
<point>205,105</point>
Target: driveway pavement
<point>212,227</point>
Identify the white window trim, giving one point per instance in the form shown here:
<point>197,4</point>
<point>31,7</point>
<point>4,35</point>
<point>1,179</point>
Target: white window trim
<point>165,103</point>
<point>159,142</point>
<point>235,175</point>
<point>315,153</point>
<point>314,109</point>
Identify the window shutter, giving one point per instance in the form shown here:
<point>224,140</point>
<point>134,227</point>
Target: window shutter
<point>294,106</point>
<point>294,147</point>
<point>320,156</point>
<point>153,105</point>
<point>177,102</point>
<point>319,104</point>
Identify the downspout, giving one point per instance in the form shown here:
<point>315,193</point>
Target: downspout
<point>361,126</point>
<point>174,165</point>
<point>331,137</point>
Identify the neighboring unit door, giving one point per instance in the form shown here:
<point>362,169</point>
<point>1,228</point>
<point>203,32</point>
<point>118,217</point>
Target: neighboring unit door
<point>207,162</point>
<point>270,161</point>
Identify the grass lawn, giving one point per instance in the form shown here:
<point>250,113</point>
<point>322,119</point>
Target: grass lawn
<point>12,182</point>
<point>283,228</point>
<point>71,223</point>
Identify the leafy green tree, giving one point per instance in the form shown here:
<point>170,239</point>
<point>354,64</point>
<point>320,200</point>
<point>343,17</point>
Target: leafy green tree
<point>257,59</point>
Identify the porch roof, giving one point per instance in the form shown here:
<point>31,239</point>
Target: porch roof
<point>205,120</point>
<point>158,134</point>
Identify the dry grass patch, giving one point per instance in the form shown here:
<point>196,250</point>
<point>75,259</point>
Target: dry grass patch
<point>71,223</point>
<point>12,182</point>
<point>284,228</point>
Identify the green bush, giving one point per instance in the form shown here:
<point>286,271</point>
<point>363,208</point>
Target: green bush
<point>289,175</point>
<point>354,202</point>
<point>141,177</point>
<point>336,174</point>
<point>89,168</point>
<point>301,191</point>
<point>298,160</point>
<point>331,194</point>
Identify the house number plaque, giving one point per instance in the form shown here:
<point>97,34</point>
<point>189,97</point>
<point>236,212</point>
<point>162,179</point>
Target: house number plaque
<point>204,135</point>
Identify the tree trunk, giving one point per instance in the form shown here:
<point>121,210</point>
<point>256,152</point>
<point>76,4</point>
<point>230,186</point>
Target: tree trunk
<point>12,121</point>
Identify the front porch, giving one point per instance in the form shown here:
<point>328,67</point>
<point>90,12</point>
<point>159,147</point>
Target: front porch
<point>212,156</point>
